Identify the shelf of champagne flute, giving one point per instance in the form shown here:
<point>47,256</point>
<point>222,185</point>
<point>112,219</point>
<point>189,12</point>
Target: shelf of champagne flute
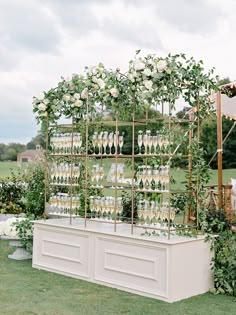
<point>63,204</point>
<point>148,179</point>
<point>155,214</point>
<point>106,143</point>
<point>64,174</point>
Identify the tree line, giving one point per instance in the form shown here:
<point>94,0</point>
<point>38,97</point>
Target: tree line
<point>9,152</point>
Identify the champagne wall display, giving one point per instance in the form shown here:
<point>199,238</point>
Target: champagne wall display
<point>115,171</point>
<point>110,195</point>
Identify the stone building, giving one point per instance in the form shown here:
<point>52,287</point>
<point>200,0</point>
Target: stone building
<point>30,155</point>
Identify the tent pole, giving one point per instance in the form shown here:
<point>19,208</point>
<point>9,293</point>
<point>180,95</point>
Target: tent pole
<point>219,150</point>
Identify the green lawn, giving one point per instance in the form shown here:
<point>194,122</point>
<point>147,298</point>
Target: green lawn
<point>5,168</point>
<point>24,290</point>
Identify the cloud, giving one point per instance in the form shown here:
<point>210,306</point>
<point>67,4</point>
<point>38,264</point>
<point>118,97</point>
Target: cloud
<point>25,26</point>
<point>42,40</point>
<point>123,21</point>
<point>74,16</point>
<point>190,16</point>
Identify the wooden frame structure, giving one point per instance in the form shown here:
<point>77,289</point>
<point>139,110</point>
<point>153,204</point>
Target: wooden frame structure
<point>230,90</point>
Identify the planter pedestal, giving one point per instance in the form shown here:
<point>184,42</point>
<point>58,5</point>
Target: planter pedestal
<point>20,253</point>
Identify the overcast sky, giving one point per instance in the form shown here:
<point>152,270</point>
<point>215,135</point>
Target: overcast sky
<point>42,40</point>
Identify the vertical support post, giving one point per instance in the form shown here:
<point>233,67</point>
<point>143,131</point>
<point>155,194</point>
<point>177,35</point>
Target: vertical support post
<point>46,184</point>
<point>190,162</point>
<point>116,140</point>
<point>227,200</point>
<point>86,162</point>
<point>71,168</point>
<point>169,175</point>
<point>219,150</point>
<point>132,191</point>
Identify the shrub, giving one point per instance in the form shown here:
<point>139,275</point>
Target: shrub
<point>11,193</point>
<point>223,239</point>
<point>34,178</point>
<point>24,230</point>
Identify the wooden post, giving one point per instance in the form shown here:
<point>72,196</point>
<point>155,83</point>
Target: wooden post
<point>227,200</point>
<point>219,150</point>
<point>190,164</point>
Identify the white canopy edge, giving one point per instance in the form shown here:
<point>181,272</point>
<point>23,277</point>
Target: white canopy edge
<point>228,105</point>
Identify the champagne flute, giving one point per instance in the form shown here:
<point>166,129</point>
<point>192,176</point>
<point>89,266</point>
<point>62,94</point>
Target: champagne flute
<point>52,143</point>
<point>140,211</point>
<point>121,142</point>
<point>110,141</point>
<point>140,141</point>
<point>100,142</point>
<point>97,175</point>
<point>119,208</point>
<point>101,175</point>
<point>155,143</point>
<point>149,143</point>
<point>94,141</point>
<point>139,176</point>
<point>79,144</point>
<point>162,177</point>
<point>116,139</point>
<point>145,143</point>
<point>105,142</point>
<point>156,176</point>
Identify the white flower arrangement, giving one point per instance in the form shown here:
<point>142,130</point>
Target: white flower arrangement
<point>7,228</point>
<point>149,80</point>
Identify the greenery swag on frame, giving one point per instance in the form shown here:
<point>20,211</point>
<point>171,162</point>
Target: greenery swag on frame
<point>149,81</point>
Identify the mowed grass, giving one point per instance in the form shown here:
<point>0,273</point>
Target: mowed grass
<point>5,168</point>
<point>24,290</point>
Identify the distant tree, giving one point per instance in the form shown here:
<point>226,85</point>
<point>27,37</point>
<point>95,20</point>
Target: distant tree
<point>2,151</point>
<point>39,139</point>
<point>223,81</point>
<point>209,142</point>
<point>12,150</point>
<point>182,113</point>
<point>11,154</point>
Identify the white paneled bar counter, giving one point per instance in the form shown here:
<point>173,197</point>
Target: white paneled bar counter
<point>169,270</point>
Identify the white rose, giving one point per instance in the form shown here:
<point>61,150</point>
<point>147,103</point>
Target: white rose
<point>131,77</point>
<point>94,79</point>
<point>94,70</point>
<point>41,97</point>
<point>147,72</point>
<point>139,65</point>
<point>66,97</point>
<point>114,92</point>
<point>148,84</point>
<point>77,96</point>
<point>46,101</point>
<point>84,94</point>
<point>78,103</point>
<point>150,62</point>
<point>44,114</point>
<point>42,107</point>
<point>101,83</point>
<point>161,65</point>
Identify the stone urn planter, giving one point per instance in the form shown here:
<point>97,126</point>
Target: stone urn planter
<point>20,252</point>
<point>8,232</point>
